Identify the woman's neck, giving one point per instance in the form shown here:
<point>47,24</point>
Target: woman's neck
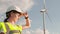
<point>11,21</point>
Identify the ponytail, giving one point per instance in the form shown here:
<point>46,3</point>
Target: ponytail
<point>7,16</point>
<point>6,20</point>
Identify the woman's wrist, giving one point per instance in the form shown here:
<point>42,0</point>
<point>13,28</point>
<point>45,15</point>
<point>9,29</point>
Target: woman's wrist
<point>26,17</point>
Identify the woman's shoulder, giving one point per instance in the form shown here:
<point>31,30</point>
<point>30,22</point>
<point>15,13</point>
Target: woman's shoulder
<point>1,22</point>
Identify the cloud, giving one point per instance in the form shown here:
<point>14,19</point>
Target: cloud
<point>28,32</point>
<point>37,31</point>
<point>27,4</point>
<point>23,4</point>
<point>55,33</point>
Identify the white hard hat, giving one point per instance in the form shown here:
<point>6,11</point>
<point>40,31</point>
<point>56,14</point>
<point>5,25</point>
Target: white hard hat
<point>14,8</point>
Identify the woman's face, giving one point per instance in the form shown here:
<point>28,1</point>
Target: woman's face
<point>15,16</point>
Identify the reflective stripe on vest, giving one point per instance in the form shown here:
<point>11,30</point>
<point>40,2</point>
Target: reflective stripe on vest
<point>15,32</point>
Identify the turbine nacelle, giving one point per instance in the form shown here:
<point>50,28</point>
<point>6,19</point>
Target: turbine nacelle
<point>43,10</point>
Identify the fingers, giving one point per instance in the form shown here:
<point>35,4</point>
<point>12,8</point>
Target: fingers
<point>25,14</point>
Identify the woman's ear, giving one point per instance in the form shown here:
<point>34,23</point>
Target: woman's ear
<point>11,14</point>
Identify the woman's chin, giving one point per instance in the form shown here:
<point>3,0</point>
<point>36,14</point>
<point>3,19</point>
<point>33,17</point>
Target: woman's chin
<point>16,20</point>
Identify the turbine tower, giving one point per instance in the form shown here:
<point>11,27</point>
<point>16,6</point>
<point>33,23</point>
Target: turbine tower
<point>43,11</point>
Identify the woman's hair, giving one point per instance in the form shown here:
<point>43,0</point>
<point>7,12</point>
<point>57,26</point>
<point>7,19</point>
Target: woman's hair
<point>8,14</point>
<point>6,20</point>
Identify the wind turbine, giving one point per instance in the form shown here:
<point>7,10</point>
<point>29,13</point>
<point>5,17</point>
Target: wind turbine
<point>43,11</point>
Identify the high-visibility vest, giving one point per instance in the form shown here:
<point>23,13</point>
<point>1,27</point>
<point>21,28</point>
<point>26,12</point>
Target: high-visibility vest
<point>12,28</point>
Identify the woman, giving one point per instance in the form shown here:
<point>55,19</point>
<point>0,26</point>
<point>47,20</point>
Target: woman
<point>8,26</point>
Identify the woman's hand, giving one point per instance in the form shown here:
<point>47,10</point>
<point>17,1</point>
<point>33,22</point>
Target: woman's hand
<point>25,15</point>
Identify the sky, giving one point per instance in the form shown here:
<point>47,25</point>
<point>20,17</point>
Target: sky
<point>33,7</point>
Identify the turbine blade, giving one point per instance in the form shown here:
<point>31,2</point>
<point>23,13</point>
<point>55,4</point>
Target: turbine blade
<point>44,4</point>
<point>49,17</point>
